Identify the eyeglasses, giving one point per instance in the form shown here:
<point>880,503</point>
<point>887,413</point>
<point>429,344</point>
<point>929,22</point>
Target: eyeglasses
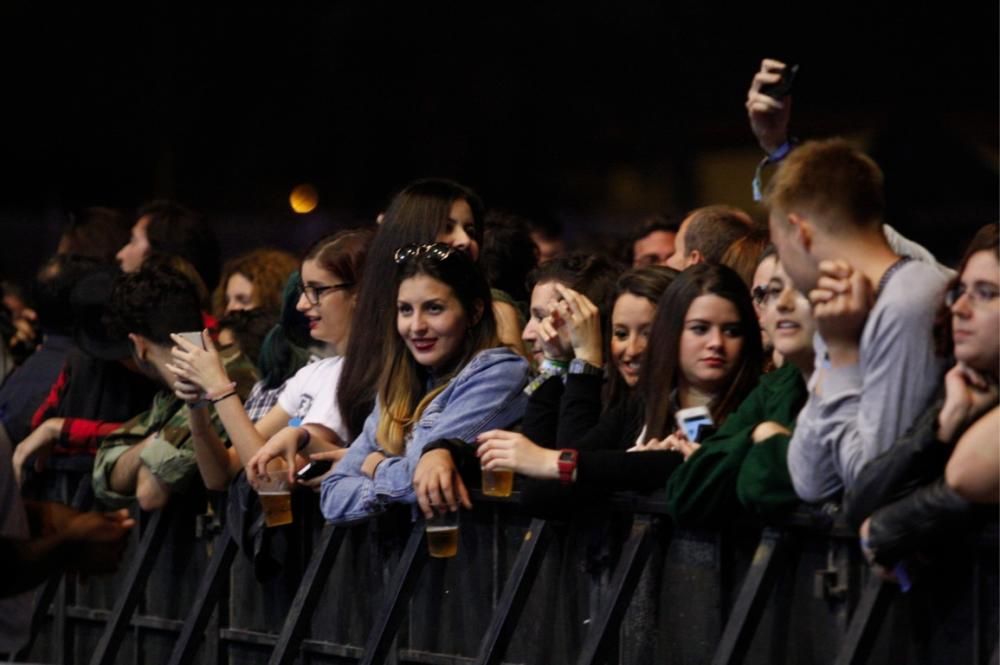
<point>980,293</point>
<point>438,251</point>
<point>314,293</point>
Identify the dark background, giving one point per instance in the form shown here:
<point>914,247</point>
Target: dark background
<point>589,115</point>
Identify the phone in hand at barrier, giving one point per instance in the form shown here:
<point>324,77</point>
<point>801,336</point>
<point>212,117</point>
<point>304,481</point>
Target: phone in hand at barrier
<point>696,423</point>
<point>314,469</point>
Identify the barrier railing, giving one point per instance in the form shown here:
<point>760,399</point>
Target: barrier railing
<point>610,584</point>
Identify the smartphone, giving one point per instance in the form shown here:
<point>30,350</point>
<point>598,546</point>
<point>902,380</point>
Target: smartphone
<point>314,469</point>
<point>696,423</point>
<point>193,337</point>
<point>783,87</point>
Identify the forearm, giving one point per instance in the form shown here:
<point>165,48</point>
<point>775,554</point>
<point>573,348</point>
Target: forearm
<point>321,439</point>
<point>580,408</point>
<point>210,453</point>
<point>900,528</point>
<point>703,489</point>
<point>44,437</point>
<point>541,415</point>
<point>972,472</point>
<point>347,494</point>
<point>914,460</point>
<point>81,436</point>
<point>618,470</point>
<point>243,435</point>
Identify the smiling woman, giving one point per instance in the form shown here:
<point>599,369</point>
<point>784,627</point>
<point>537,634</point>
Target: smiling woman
<point>445,376</point>
<point>424,211</point>
<point>431,321</point>
<point>305,417</point>
<point>704,351</point>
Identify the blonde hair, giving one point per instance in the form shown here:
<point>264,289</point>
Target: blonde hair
<point>399,414</point>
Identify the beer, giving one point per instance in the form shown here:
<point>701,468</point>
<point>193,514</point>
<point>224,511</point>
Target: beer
<point>442,541</point>
<point>277,507</point>
<point>499,482</point>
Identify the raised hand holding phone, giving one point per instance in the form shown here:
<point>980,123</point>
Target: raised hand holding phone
<point>196,361</point>
<point>769,104</point>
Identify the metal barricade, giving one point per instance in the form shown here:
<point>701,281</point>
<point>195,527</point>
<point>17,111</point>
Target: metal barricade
<point>613,585</point>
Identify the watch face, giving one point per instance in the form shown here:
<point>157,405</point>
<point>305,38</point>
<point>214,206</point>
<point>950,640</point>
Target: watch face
<point>566,456</point>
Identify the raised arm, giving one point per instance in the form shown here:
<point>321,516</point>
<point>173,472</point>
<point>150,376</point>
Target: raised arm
<point>768,116</point>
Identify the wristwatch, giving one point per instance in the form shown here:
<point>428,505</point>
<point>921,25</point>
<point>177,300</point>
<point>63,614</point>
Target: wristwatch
<point>567,465</point>
<point>578,366</point>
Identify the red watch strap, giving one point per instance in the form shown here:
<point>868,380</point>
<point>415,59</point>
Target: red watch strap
<point>567,465</point>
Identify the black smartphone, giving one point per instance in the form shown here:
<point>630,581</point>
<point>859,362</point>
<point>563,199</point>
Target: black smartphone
<point>314,469</point>
<point>783,87</point>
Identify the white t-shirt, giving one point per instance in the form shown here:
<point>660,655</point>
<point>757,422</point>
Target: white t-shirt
<point>311,396</point>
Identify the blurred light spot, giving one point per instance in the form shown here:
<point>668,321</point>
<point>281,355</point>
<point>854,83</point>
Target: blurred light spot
<point>303,198</point>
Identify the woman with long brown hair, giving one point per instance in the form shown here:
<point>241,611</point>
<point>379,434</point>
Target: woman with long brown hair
<point>445,376</point>
<point>704,350</point>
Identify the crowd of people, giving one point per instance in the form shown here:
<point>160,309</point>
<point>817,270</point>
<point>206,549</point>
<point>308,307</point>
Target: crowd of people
<point>828,358</point>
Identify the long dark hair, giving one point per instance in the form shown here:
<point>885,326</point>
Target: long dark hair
<point>402,385</point>
<point>649,282</point>
<point>417,214</point>
<point>661,368</point>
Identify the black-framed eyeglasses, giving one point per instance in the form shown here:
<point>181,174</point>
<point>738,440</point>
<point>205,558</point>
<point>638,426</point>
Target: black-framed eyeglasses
<point>438,251</point>
<point>314,293</point>
<point>981,292</point>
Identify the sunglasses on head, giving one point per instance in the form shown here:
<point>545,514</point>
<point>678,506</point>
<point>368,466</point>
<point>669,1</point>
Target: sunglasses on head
<point>438,251</point>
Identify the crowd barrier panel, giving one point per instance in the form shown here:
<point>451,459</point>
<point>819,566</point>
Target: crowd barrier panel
<point>612,585</point>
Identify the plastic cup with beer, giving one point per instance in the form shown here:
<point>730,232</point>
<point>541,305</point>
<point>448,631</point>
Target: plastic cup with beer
<point>498,482</point>
<point>442,533</point>
<point>275,494</point>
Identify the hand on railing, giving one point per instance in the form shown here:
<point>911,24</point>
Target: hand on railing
<point>437,483</point>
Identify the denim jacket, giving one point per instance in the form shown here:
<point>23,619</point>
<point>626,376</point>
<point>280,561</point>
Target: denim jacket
<point>486,394</point>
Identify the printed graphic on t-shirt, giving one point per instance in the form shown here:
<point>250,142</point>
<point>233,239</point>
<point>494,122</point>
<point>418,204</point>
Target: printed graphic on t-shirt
<point>305,403</point>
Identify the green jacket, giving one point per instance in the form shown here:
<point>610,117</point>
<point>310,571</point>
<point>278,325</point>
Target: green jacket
<point>729,469</point>
<point>170,454</point>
